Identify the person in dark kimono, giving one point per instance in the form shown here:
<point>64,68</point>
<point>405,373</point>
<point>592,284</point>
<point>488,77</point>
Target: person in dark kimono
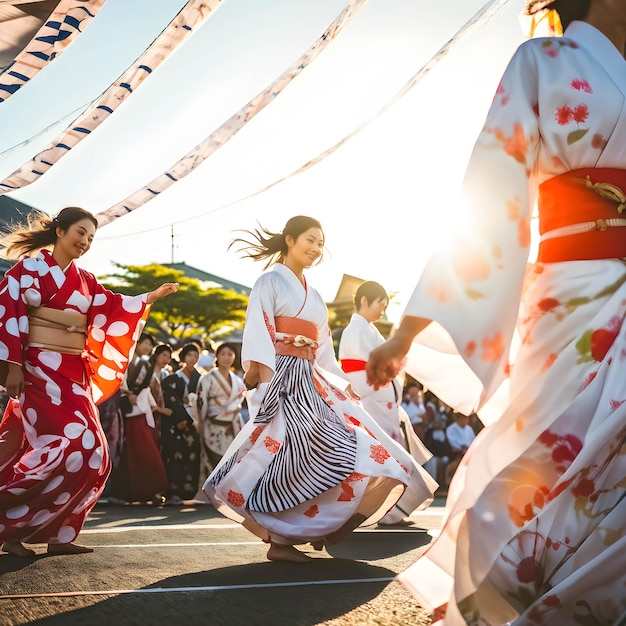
<point>180,441</point>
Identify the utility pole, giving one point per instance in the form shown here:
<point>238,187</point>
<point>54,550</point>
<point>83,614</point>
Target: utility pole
<point>172,242</point>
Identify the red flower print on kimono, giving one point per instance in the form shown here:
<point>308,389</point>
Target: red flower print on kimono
<point>566,115</point>
<point>565,448</point>
<point>347,493</point>
<point>271,445</point>
<point>594,344</point>
<point>256,433</point>
<point>312,511</point>
<point>379,454</point>
<point>235,498</point>
<point>270,327</point>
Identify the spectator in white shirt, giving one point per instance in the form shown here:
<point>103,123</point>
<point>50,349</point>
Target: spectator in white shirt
<point>460,435</point>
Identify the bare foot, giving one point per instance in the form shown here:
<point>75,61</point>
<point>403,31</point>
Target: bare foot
<point>67,548</point>
<point>17,549</point>
<point>288,554</point>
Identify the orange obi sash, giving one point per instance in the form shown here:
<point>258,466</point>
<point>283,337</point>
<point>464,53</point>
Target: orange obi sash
<point>352,365</point>
<point>295,337</point>
<point>581,215</point>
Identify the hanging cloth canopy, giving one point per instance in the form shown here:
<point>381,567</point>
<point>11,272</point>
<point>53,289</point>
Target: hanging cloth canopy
<point>59,30</point>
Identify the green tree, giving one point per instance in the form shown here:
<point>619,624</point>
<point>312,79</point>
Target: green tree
<point>192,311</point>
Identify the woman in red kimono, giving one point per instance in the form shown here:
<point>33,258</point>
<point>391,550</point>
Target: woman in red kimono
<point>64,346</point>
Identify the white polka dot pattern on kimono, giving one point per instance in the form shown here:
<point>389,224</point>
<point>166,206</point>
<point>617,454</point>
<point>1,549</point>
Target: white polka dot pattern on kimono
<point>31,415</point>
<point>26,281</point>
<point>62,498</point>
<point>50,359</point>
<point>14,287</point>
<point>111,353</point>
<point>104,371</point>
<point>99,299</point>
<point>17,512</point>
<point>11,327</point>
<point>89,440</point>
<point>4,351</point>
<point>73,430</point>
<point>2,310</point>
<point>74,462</point>
<point>66,534</point>
<point>78,300</point>
<point>32,297</point>
<point>23,323</point>
<point>133,305</point>
<point>2,527</point>
<point>41,517</point>
<point>30,264</point>
<point>57,274</point>
<point>95,461</point>
<point>118,329</point>
<point>53,484</point>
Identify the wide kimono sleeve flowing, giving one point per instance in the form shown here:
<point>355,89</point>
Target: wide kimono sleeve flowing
<point>536,525</point>
<point>54,458</point>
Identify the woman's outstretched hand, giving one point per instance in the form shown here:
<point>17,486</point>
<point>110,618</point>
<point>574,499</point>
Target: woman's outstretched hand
<point>389,359</point>
<point>385,363</point>
<point>164,290</point>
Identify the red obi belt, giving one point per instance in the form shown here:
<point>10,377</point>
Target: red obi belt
<point>582,215</point>
<point>352,365</point>
<point>295,337</point>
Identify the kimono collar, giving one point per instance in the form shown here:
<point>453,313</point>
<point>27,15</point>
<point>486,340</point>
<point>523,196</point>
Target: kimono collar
<point>288,274</point>
<point>292,278</point>
<point>357,318</point>
<point>597,44</point>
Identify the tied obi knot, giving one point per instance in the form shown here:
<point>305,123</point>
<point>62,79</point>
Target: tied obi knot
<point>581,215</point>
<point>296,337</point>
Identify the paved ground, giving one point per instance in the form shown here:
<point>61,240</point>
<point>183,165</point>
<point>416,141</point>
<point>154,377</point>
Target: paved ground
<point>188,565</point>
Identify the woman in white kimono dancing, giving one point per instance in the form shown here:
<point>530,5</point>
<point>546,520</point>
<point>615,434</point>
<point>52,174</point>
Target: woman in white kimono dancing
<point>535,532</point>
<point>64,345</point>
<point>310,465</point>
<point>358,339</point>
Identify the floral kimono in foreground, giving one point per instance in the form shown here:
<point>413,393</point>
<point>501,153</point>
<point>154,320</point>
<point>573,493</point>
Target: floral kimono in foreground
<point>54,458</point>
<point>310,465</point>
<point>536,527</point>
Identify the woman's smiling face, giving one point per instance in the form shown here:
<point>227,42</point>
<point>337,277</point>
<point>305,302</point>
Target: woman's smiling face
<point>307,248</point>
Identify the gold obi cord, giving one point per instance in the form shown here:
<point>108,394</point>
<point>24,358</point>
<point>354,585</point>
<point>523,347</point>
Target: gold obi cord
<point>295,337</point>
<point>59,331</point>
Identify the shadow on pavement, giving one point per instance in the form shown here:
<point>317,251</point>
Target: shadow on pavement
<point>369,545</point>
<point>290,604</point>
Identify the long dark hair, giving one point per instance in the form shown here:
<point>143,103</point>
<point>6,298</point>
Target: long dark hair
<point>272,246</point>
<point>40,231</point>
<point>568,10</point>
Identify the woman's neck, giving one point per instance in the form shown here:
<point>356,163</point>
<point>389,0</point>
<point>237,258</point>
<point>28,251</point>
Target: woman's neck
<point>297,269</point>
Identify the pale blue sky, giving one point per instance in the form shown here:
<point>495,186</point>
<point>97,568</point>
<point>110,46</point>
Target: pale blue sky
<point>402,171</point>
